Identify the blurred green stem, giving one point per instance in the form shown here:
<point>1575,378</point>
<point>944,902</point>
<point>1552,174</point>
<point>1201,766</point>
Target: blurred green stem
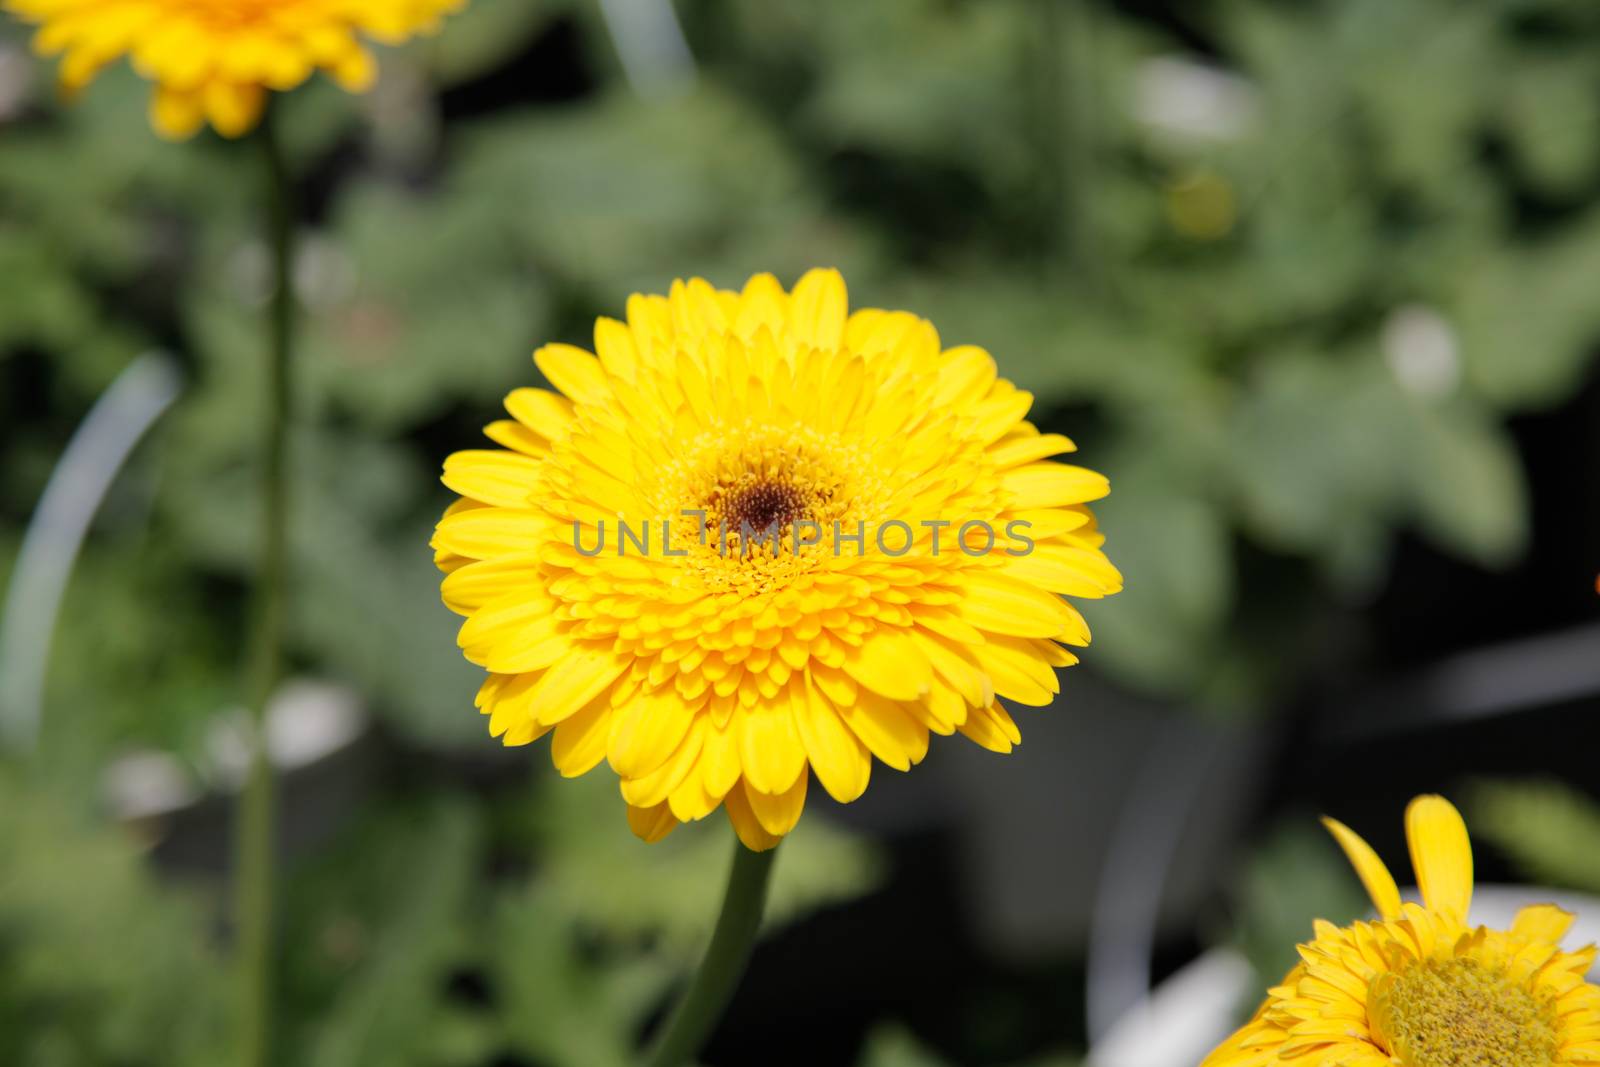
<point>1067,123</point>
<point>702,1005</point>
<point>253,875</point>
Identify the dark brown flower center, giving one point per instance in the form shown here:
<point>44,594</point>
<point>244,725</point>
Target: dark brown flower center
<point>764,504</point>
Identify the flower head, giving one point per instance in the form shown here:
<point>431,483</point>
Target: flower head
<point>215,60</point>
<point>761,536</point>
<point>1421,987</point>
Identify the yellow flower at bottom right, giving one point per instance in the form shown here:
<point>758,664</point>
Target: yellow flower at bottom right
<point>1421,987</point>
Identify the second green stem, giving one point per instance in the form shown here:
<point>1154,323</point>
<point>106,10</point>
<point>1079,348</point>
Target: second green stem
<point>255,835</point>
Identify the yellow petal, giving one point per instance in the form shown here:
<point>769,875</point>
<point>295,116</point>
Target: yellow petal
<point>651,824</point>
<point>691,800</point>
<point>579,743</point>
<point>889,662</point>
<point>965,372</point>
<point>508,433</point>
<point>1064,569</point>
<point>613,343</point>
<point>953,661</point>
<point>1441,854</point>
<point>175,115</point>
<point>1028,449</point>
<point>1003,605</point>
<point>1543,923</point>
<point>999,413</point>
<point>1040,524</point>
<point>756,838</point>
<point>478,583</point>
<point>355,71</point>
<point>658,785</point>
<point>514,635</point>
<point>778,813</point>
<point>504,479</point>
<point>770,749</point>
<point>234,109</point>
<point>1231,1053</point>
<point>575,372</point>
<point>889,731</point>
<point>504,698</point>
<point>545,413</point>
<point>1016,671</point>
<point>721,757</point>
<point>992,727</point>
<point>817,309</point>
<point>842,762</point>
<point>78,69</point>
<point>575,680</point>
<point>646,732</point>
<point>762,303</point>
<point>1051,485</point>
<point>486,533</point>
<point>1370,869</point>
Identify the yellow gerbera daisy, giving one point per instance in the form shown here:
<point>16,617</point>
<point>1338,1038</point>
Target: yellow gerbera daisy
<point>216,59</point>
<point>760,533</point>
<point>1421,987</point>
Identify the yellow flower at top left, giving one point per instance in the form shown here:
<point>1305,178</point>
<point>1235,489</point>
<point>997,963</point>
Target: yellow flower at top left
<point>216,60</point>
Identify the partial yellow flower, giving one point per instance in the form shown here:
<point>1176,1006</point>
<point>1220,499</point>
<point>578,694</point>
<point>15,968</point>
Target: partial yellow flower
<point>891,597</point>
<point>1421,987</point>
<point>216,60</point>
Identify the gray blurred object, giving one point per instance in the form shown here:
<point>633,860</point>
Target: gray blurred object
<point>16,80</point>
<point>1482,683</point>
<point>1181,1020</point>
<point>650,44</point>
<point>1046,835</point>
<point>1193,102</point>
<point>72,497</point>
<point>1139,863</point>
<point>322,747</point>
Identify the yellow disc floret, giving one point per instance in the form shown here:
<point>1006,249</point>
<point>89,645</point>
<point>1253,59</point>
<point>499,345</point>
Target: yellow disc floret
<point>1421,987</point>
<point>1462,1013</point>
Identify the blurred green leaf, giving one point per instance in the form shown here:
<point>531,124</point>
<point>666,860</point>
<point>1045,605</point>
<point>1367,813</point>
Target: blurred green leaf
<point>1175,552</point>
<point>620,194</point>
<point>1551,115</point>
<point>563,1005</point>
<point>1315,440</point>
<point>485,36</point>
<point>1549,830</point>
<point>92,948</point>
<point>1467,483</point>
<point>378,930</point>
<point>1528,325</point>
<point>894,1047</point>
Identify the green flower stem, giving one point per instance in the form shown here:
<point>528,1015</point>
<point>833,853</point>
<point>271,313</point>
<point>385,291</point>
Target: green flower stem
<point>1068,41</point>
<point>253,874</point>
<point>713,986</point>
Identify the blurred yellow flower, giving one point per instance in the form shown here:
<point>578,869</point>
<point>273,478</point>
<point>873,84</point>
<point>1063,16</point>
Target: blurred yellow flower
<point>215,60</point>
<point>1421,987</point>
<point>760,534</point>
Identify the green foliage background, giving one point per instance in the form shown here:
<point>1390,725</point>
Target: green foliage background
<point>1206,311</point>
